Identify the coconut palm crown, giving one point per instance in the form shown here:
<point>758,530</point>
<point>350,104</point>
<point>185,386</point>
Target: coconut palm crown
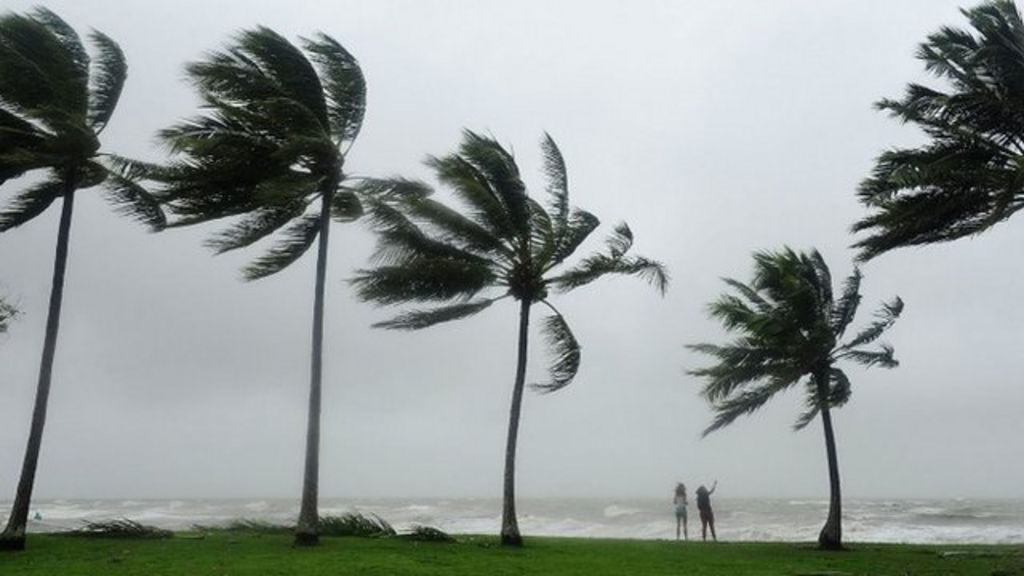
<point>500,244</point>
<point>790,331</point>
<point>267,152</point>
<point>55,100</point>
<point>966,177</point>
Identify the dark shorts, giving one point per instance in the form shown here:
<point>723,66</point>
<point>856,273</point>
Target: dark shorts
<point>707,516</point>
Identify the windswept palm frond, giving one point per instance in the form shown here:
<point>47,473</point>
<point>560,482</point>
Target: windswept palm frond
<point>598,265</point>
<point>343,84</point>
<point>298,237</point>
<point>107,81</point>
<point>884,319</point>
<point>131,199</point>
<point>30,203</point>
<point>431,280</point>
<point>882,357</point>
<point>419,319</point>
<point>557,185</point>
<point>746,401</point>
<point>565,351</point>
<point>967,177</point>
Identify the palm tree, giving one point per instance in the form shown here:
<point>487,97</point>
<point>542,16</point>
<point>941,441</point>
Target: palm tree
<point>503,244</point>
<point>269,149</point>
<point>54,103</point>
<point>789,330</point>
<point>966,178</point>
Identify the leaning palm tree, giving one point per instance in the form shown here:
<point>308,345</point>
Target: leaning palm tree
<point>789,330</point>
<point>268,150</point>
<point>501,244</point>
<point>966,178</point>
<point>54,102</point>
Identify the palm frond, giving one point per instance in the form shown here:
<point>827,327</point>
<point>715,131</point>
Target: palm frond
<point>882,357</point>
<point>598,265</point>
<point>499,170</point>
<point>428,280</point>
<point>812,407</point>
<point>419,319</point>
<point>297,239</point>
<point>565,351</point>
<point>130,198</point>
<point>44,67</point>
<point>30,203</point>
<point>344,84</point>
<point>557,184</point>
<point>845,308</point>
<point>579,226</point>
<point>472,188</point>
<point>284,65</point>
<point>255,226</point>
<point>884,319</point>
<point>457,228</point>
<point>742,364</point>
<point>107,80</point>
<point>401,242</point>
<point>746,401</point>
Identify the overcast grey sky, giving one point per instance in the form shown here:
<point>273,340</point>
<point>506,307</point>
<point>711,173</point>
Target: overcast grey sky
<point>713,128</point>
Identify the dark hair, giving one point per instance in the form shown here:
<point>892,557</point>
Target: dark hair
<point>680,489</point>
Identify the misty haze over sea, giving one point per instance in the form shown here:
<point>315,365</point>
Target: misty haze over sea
<point>923,521</point>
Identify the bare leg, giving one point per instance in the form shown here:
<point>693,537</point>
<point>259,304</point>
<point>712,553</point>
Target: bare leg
<point>703,529</point>
<point>711,522</point>
<point>686,534</point>
<point>677,527</point>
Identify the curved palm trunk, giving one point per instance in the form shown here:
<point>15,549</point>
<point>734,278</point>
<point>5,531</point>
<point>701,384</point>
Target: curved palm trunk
<point>307,530</point>
<point>509,524</point>
<point>13,537</point>
<point>831,536</point>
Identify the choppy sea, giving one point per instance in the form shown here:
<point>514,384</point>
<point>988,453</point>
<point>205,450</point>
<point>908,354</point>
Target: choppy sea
<point>954,521</point>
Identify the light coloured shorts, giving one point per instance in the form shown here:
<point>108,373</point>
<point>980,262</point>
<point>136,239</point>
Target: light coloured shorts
<point>681,511</point>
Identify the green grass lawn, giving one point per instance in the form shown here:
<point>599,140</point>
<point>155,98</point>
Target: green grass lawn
<point>238,554</point>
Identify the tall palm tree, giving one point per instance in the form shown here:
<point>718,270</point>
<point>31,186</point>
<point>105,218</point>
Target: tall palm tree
<point>501,244</point>
<point>54,103</point>
<point>269,149</point>
<point>966,178</point>
<point>789,330</point>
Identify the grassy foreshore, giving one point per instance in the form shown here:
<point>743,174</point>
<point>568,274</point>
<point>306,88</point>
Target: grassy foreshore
<point>236,554</point>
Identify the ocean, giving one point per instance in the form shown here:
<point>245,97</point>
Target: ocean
<point>954,521</point>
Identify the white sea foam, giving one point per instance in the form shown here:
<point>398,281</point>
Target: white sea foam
<point>910,521</point>
<point>616,511</point>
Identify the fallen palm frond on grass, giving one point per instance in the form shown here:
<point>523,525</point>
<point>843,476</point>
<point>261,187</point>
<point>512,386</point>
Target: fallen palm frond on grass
<point>247,526</point>
<point>356,524</point>
<point>420,533</point>
<point>123,528</point>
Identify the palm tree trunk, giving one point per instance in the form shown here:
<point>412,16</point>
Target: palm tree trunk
<point>13,536</point>
<point>509,524</point>
<point>307,530</point>
<point>831,536</point>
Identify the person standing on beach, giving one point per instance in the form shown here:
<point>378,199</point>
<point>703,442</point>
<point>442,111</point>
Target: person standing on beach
<point>707,517</point>
<point>680,504</point>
